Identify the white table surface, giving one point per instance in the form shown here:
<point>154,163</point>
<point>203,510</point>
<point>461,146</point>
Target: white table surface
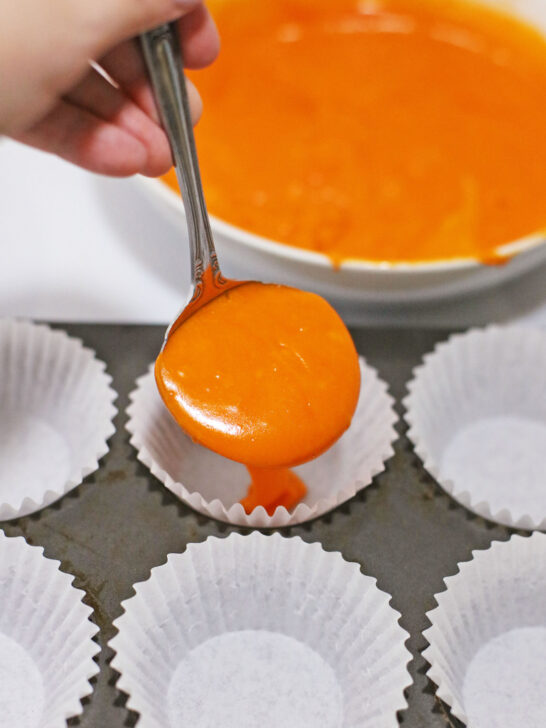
<point>79,247</point>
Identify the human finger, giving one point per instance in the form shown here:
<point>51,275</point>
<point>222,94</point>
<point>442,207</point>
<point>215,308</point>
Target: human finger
<point>199,38</point>
<point>109,22</point>
<point>84,139</point>
<point>125,63</point>
<point>96,95</point>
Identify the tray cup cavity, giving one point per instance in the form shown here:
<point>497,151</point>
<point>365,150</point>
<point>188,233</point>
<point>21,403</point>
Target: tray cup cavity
<point>261,630</point>
<point>488,636</point>
<point>214,485</point>
<point>46,646</point>
<point>477,415</point>
<point>57,411</point>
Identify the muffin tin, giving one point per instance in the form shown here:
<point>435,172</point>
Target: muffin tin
<point>112,530</point>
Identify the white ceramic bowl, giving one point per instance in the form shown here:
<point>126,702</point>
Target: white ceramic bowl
<point>358,282</point>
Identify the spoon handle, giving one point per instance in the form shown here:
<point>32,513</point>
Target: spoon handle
<point>162,54</point>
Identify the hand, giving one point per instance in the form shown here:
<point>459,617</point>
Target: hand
<point>53,99</point>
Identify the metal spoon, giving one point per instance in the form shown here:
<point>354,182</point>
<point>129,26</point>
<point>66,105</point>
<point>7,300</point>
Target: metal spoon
<point>227,423</point>
<point>163,57</point>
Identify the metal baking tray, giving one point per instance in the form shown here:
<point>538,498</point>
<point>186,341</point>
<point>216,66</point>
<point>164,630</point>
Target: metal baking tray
<point>403,529</point>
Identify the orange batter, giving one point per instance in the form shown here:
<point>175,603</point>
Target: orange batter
<point>264,374</point>
<point>273,487</point>
<point>389,130</point>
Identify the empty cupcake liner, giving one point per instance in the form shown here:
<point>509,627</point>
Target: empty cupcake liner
<point>214,485</point>
<point>487,642</point>
<point>46,646</point>
<point>56,415</point>
<point>261,630</point>
<point>476,411</point>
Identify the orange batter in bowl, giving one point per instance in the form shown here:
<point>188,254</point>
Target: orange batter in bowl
<point>390,130</point>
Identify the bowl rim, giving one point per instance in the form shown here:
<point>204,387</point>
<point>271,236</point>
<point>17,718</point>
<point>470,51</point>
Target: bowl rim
<point>286,251</point>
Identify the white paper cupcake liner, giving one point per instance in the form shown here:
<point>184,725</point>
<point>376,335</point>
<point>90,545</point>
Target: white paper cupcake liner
<point>46,646</point>
<point>488,637</point>
<point>261,631</point>
<point>56,415</point>
<point>476,411</point>
<point>214,485</point>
